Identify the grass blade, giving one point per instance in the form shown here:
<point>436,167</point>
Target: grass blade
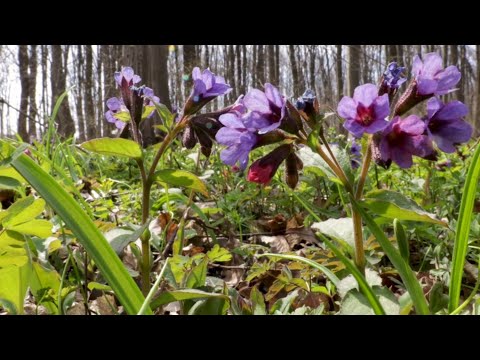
<point>463,230</point>
<point>406,273</point>
<point>86,232</point>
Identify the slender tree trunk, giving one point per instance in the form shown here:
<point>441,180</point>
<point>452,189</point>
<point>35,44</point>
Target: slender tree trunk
<point>294,68</point>
<point>312,53</point>
<point>100,86</point>
<point>243,87</point>
<point>339,72</point>
<point>252,67</point>
<point>79,92</point>
<point>24,81</point>
<point>160,73</point>
<point>238,60</point>
<point>206,56</point>
<point>260,66</point>
<point>271,64</point>
<point>277,65</point>
<point>45,105</point>
<point>66,126</point>
<point>188,65</point>
<point>401,59</point>
<point>461,91</point>
<point>477,98</point>
<point>32,86</point>
<point>89,104</point>
<point>231,72</point>
<point>353,68</point>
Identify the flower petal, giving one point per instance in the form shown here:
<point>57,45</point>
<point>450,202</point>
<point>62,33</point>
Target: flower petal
<point>432,64</point>
<point>433,105</point>
<point>228,136</point>
<point>347,108</point>
<point>274,95</point>
<point>412,125</point>
<point>381,107</point>
<point>452,111</point>
<point>354,127</point>
<point>417,65</point>
<point>232,121</point>
<point>447,79</point>
<point>256,100</point>
<point>365,94</point>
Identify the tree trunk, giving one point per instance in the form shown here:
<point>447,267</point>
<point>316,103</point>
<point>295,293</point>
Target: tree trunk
<point>477,110</point>
<point>294,68</point>
<point>277,64</point>
<point>231,72</point>
<point>32,87</point>
<point>243,88</point>
<point>78,92</point>
<point>461,91</point>
<point>24,81</point>
<point>353,68</point>
<point>100,86</point>
<point>252,68</point>
<point>188,65</point>
<point>339,72</point>
<point>238,58</point>
<point>260,66</point>
<point>66,126</point>
<point>312,52</point>
<point>271,64</point>
<point>89,104</point>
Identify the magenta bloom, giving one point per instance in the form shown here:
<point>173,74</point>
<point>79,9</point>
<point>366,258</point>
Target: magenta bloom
<point>263,169</point>
<point>365,112</point>
<point>445,125</point>
<point>126,77</point>
<point>269,104</point>
<point>238,137</point>
<point>116,105</point>
<point>432,78</point>
<point>403,138</point>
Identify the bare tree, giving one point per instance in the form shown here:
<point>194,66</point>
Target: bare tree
<point>91,124</point>
<point>24,81</point>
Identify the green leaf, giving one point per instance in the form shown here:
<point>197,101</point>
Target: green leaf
<point>328,273</point>
<point>85,231</point>
<point>123,116</point>
<point>165,114</point>
<point>92,285</point>
<point>181,178</point>
<point>9,183</point>
<point>14,284</point>
<point>404,270</point>
<point>339,229</point>
<point>10,172</point>
<point>218,254</point>
<point>198,274</point>
<point>394,205</point>
<point>147,110</point>
<point>12,249</point>
<point>402,240</point>
<point>40,228</point>
<point>463,230</point>
<point>211,306</point>
<point>355,303</point>
<point>16,209</point>
<point>183,294</point>
<point>43,279</point>
<point>362,282</point>
<point>258,303</point>
<point>114,146</point>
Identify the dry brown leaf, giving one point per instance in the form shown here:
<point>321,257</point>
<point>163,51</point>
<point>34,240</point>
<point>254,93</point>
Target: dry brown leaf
<point>278,243</point>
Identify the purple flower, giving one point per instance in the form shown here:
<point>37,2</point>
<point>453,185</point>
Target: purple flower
<point>269,104</point>
<point>445,125</point>
<point>126,77</point>
<point>239,138</point>
<point>391,76</point>
<point>207,85</point>
<point>365,112</point>
<point>430,76</point>
<point>116,105</point>
<point>355,154</point>
<point>150,99</point>
<point>403,138</point>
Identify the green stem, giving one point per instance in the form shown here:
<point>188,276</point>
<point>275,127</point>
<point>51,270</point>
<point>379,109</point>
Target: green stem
<point>148,298</point>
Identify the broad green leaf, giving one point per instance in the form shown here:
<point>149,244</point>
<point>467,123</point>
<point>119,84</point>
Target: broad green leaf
<point>147,110</point>
<point>85,231</point>
<point>258,302</point>
<point>218,254</point>
<point>355,303</point>
<point>123,116</point>
<point>42,280</point>
<point>183,294</point>
<point>463,230</point>
<point>362,282</point>
<point>14,284</point>
<point>40,228</point>
<point>10,172</point>
<point>114,146</point>
<point>181,178</point>
<point>12,249</point>
<point>339,229</point>
<point>198,274</point>
<point>17,208</point>
<point>165,114</point>
<point>393,205</point>
<point>404,270</point>
<point>9,183</point>
<point>210,306</point>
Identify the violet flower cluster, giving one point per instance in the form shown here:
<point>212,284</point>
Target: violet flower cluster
<point>399,139</point>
